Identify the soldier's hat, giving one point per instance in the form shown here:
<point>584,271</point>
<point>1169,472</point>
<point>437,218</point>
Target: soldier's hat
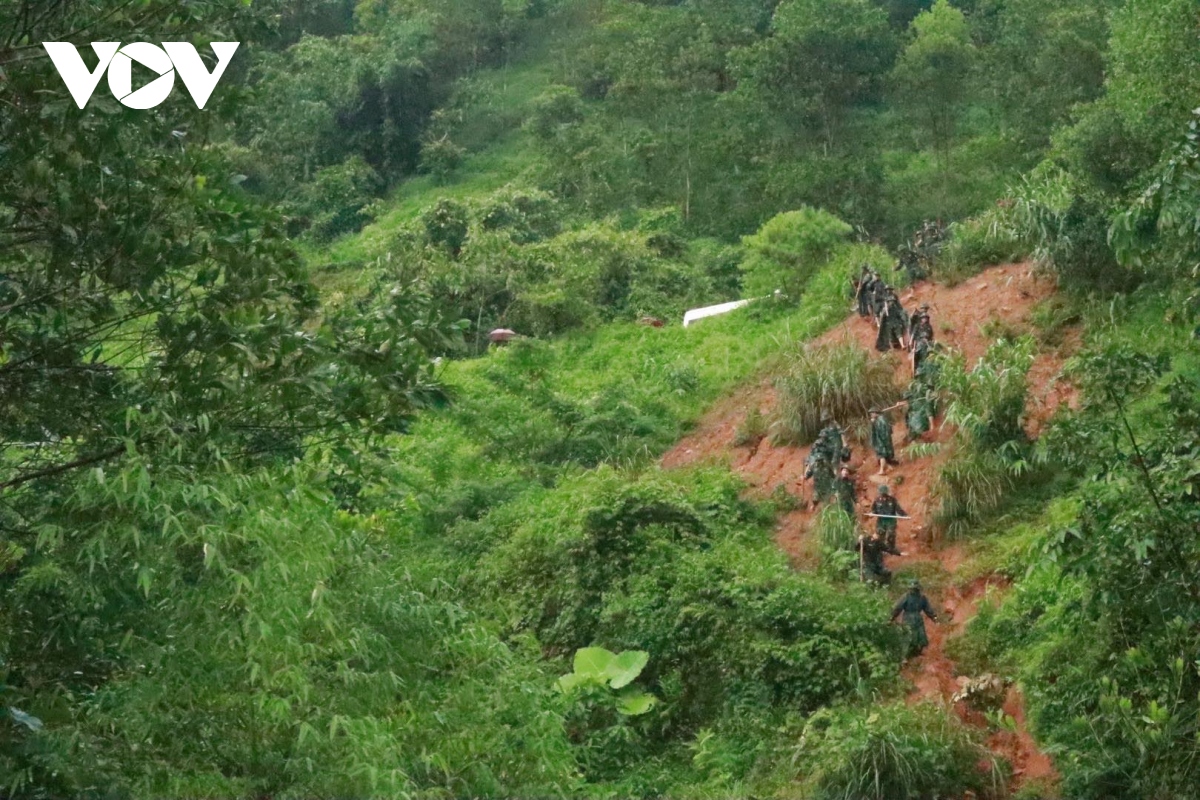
<point>924,307</point>
<point>883,488</point>
<point>914,584</point>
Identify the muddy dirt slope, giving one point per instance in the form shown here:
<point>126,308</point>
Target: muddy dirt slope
<point>966,317</point>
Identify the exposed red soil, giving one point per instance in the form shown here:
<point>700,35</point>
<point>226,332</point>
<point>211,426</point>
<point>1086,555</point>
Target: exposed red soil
<point>966,317</point>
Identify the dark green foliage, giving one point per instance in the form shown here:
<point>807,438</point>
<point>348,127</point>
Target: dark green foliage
<point>337,198</point>
<point>446,225</point>
<point>645,563</point>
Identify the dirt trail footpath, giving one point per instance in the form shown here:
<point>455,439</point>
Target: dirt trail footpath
<point>1000,299</point>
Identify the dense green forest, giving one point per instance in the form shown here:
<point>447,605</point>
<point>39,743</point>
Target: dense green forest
<point>276,520</point>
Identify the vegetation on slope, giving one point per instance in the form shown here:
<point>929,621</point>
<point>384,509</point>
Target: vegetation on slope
<point>258,542</point>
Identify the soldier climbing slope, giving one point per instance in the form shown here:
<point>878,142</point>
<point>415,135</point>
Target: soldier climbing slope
<point>847,492</point>
<point>881,440</point>
<point>819,468</point>
<point>920,326</point>
<point>915,606</point>
<point>887,512</point>
<point>870,559</point>
<point>862,287</point>
<point>893,323</point>
<point>922,408</point>
<point>831,443</point>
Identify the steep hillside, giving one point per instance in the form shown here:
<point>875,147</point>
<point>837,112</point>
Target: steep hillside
<point>967,318</point>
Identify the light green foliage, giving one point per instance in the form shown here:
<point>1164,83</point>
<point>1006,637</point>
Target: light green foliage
<point>1154,67</point>
<point>893,751</point>
<point>931,74</point>
<point>987,239</point>
<point>312,646</point>
<point>788,250</point>
<point>985,404</point>
<point>595,666</point>
<point>752,430</point>
<point>677,565</point>
<point>840,381</point>
<point>337,198</point>
<point>836,530</point>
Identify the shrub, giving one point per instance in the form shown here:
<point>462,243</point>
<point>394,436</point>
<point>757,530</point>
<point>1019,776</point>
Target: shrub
<point>677,565</point>
<point>337,198</point>
<point>893,752</point>
<point>446,225</point>
<point>842,381</point>
<point>789,249</point>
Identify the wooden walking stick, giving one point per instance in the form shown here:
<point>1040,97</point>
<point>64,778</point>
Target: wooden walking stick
<point>862,547</point>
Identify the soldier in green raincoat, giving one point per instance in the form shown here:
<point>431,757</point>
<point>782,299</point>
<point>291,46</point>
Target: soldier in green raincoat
<point>893,324</point>
<point>870,553</point>
<point>922,406</point>
<point>914,606</point>
<point>881,440</point>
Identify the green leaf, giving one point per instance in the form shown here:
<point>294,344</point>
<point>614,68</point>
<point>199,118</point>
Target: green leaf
<point>631,703</point>
<point>626,667</point>
<point>572,680</point>
<point>593,661</point>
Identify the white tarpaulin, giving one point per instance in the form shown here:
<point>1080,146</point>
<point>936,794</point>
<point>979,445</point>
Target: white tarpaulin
<point>712,311</point>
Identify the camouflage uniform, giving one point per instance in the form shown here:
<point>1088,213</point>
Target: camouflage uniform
<point>887,506</point>
<point>872,549</point>
<point>820,469</point>
<point>921,326</point>
<point>865,291</point>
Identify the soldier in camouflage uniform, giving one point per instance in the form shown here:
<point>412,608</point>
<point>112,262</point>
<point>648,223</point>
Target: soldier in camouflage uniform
<point>920,326</point>
<point>887,509</point>
<point>914,607</point>
<point>819,468</point>
<point>830,442</point>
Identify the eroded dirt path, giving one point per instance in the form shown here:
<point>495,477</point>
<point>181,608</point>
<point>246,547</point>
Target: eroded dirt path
<point>967,317</point>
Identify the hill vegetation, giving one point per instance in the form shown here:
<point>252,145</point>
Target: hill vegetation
<point>277,521</point>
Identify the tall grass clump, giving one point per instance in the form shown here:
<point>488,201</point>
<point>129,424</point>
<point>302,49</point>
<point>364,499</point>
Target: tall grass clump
<point>842,381</point>
<point>991,451</point>
<point>894,752</point>
<point>993,237</point>
<point>836,529</point>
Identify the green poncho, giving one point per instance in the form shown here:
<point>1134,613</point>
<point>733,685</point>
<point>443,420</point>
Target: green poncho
<point>915,607</point>
<point>881,438</point>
